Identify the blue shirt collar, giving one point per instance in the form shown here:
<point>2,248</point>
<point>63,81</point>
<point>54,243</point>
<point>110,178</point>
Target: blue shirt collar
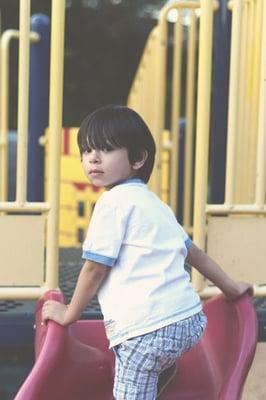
<point>135,181</point>
<point>131,180</point>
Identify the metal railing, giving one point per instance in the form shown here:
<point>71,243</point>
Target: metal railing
<point>155,88</point>
<point>246,143</point>
<point>245,175</point>
<point>5,42</point>
<point>50,208</point>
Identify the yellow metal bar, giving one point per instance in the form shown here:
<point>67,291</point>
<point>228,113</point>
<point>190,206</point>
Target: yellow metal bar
<point>235,209</point>
<point>22,293</point>
<point>183,5</point>
<point>189,5</point>
<point>165,174</point>
<point>241,117</point>
<point>261,147</point>
<point>203,122</point>
<point>210,291</point>
<point>233,101</point>
<point>254,95</point>
<point>159,101</point>
<point>150,80</point>
<point>4,109</point>
<point>190,112</point>
<point>23,101</point>
<point>251,135</point>
<point>175,112</point>
<point>6,38</point>
<point>55,127</point>
<point>9,206</point>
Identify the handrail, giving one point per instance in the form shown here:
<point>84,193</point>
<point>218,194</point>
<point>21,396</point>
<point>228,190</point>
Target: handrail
<point>15,206</point>
<point>55,129</point>
<point>233,102</point>
<point>151,103</point>
<point>261,147</point>
<point>50,207</point>
<point>23,101</point>
<point>203,121</point>
<point>246,131</point>
<point>5,41</point>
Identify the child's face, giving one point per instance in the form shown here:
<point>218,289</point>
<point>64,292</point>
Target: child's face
<point>105,168</point>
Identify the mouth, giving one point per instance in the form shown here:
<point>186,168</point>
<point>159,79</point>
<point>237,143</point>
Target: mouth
<point>95,172</point>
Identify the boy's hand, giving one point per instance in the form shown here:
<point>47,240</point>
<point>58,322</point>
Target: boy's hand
<point>55,311</point>
<point>238,289</point>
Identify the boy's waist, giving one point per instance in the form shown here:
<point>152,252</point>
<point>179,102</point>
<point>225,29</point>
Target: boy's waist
<point>122,327</point>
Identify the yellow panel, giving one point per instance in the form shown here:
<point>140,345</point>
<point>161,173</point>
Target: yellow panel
<point>238,244</point>
<point>22,250</point>
<point>67,194</point>
<point>71,169</point>
<point>67,219</point>
<point>74,189</point>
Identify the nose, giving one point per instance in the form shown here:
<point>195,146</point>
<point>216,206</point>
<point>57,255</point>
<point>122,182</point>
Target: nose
<point>94,156</point>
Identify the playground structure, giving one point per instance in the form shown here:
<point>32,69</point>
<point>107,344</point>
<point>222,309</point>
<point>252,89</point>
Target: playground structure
<point>240,220</point>
<point>244,195</point>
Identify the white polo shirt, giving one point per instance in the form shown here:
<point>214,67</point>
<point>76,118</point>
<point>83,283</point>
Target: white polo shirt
<point>134,233</point>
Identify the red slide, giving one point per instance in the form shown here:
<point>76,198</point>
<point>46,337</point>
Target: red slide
<point>75,363</point>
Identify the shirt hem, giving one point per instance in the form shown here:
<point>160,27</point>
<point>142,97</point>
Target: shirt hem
<point>154,326</point>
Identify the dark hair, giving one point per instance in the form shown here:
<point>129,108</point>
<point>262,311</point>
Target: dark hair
<point>114,126</point>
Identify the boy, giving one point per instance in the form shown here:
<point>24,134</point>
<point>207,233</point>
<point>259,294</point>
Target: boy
<point>134,257</point>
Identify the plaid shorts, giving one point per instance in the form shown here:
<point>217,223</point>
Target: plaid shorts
<point>140,360</point>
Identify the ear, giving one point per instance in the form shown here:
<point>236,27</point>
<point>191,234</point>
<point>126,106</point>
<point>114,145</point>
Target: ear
<point>141,161</point>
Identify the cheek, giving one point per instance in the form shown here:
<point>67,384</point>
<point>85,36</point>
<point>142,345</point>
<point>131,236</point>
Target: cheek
<point>85,164</point>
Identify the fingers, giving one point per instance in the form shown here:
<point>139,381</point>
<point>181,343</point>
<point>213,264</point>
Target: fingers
<point>47,310</point>
<point>250,290</point>
<point>54,310</point>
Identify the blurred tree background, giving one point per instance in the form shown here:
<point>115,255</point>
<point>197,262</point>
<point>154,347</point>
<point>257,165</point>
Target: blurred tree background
<point>104,40</point>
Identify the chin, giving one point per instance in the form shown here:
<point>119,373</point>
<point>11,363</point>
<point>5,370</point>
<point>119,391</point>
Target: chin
<point>95,183</point>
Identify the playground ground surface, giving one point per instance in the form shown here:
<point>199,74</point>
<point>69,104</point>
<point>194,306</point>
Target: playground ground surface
<point>255,387</point>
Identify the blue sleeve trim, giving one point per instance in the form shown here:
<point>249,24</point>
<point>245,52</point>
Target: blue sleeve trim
<point>109,261</point>
<point>188,243</point>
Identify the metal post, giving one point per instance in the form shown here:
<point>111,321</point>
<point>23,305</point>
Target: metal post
<point>203,123</point>
<point>38,104</point>
<point>55,127</point>
<point>23,100</point>
<point>233,102</point>
<point>261,152</point>
<point>6,38</point>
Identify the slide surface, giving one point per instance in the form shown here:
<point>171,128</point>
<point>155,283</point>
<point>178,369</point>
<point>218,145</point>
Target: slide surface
<point>75,362</point>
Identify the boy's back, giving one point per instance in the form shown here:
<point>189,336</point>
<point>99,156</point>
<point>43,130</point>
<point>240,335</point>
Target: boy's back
<point>147,286</point>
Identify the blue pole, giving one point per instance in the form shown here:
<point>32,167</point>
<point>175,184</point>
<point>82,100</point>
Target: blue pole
<point>38,105</point>
<point>220,84</point>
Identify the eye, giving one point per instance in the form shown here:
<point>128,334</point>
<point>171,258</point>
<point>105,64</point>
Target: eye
<point>87,151</point>
<point>108,148</point>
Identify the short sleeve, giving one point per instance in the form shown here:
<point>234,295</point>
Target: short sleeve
<point>105,233</point>
<point>188,243</point>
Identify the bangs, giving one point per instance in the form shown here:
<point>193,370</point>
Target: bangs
<point>100,135</point>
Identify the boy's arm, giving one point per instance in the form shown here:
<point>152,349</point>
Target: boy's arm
<point>90,279</point>
<point>212,271</point>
